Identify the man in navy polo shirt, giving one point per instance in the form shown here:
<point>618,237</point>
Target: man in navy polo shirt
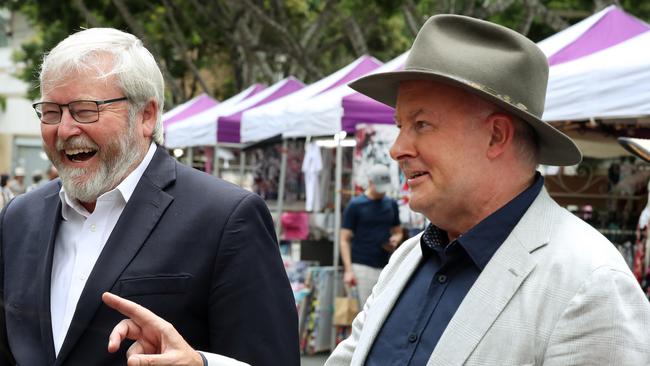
<point>371,231</point>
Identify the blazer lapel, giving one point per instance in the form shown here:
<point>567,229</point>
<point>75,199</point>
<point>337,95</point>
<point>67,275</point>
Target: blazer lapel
<point>51,218</point>
<point>496,285</point>
<point>140,216</point>
<point>383,304</point>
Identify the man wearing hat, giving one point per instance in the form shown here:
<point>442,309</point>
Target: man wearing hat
<point>371,231</point>
<point>17,185</point>
<point>503,275</point>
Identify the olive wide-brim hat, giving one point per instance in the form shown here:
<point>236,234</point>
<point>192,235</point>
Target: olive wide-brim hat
<point>486,59</point>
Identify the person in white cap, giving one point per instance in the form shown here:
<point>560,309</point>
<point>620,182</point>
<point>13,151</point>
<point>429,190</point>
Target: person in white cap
<point>370,232</point>
<point>17,184</point>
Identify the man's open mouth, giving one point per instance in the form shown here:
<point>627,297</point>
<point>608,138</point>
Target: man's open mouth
<point>79,155</point>
<point>416,174</point>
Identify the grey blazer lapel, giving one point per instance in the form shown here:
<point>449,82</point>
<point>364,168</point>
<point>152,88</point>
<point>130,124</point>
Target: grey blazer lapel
<point>51,219</point>
<point>139,218</point>
<point>384,301</point>
<point>496,285</point>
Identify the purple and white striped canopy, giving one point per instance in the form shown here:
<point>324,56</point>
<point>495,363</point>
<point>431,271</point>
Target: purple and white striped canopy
<point>229,127</point>
<point>276,118</point>
<point>181,128</point>
<point>600,68</point>
<point>187,109</point>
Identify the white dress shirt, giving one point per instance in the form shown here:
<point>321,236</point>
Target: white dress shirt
<point>79,241</point>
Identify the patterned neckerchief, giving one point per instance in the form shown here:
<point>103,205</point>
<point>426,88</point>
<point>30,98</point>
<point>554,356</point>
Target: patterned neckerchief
<point>433,238</point>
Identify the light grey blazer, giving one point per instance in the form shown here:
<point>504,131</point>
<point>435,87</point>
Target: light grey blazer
<point>555,293</point>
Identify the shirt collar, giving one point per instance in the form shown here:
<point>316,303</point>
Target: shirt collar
<point>483,240</point>
<point>125,189</point>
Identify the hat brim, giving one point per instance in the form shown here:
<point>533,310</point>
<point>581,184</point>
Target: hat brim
<point>555,148</point>
<point>638,147</point>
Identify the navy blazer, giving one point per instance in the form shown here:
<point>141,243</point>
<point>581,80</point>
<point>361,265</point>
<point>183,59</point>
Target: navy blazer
<point>198,251</point>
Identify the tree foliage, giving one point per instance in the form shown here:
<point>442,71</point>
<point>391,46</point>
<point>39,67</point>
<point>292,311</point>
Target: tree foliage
<point>221,46</point>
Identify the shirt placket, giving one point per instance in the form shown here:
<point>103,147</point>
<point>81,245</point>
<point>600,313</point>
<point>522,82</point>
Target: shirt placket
<point>87,243</point>
<point>447,258</point>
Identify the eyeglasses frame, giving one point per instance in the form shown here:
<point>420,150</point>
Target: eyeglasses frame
<point>97,102</point>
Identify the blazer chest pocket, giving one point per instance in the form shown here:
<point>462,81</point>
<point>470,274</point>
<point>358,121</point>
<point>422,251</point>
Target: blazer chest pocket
<point>153,285</point>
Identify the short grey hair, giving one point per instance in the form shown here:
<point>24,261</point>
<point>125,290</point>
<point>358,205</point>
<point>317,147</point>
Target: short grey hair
<point>525,138</point>
<point>526,142</point>
<point>133,66</point>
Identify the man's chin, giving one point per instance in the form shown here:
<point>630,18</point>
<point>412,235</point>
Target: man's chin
<point>84,186</point>
<point>82,193</point>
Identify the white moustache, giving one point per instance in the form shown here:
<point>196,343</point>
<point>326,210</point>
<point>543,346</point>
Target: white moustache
<point>76,142</point>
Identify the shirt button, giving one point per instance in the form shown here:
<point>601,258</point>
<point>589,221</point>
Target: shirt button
<point>442,278</point>
<point>413,338</point>
<point>93,227</point>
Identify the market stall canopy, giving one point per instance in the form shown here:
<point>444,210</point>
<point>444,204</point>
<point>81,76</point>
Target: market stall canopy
<point>269,119</point>
<point>178,133</point>
<point>599,68</point>
<point>328,113</point>
<point>187,109</point>
<point>229,127</point>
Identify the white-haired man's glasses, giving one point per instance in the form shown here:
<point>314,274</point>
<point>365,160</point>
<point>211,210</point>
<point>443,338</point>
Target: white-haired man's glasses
<point>83,111</point>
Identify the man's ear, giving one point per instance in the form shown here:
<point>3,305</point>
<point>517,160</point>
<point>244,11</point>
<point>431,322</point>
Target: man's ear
<point>502,129</point>
<point>149,117</point>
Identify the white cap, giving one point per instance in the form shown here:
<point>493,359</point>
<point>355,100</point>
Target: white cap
<point>379,174</point>
<point>19,172</point>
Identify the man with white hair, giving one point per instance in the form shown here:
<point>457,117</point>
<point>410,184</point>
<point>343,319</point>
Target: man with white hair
<point>125,217</point>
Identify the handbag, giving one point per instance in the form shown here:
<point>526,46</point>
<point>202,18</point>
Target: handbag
<point>346,307</point>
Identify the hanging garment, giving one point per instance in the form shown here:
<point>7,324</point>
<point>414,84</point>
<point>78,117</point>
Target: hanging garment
<point>311,167</point>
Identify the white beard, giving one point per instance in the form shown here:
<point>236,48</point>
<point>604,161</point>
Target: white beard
<point>116,161</point>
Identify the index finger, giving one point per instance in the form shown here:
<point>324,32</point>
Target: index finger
<point>139,314</point>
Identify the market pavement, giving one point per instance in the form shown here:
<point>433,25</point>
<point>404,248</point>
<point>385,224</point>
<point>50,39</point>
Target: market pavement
<point>315,360</point>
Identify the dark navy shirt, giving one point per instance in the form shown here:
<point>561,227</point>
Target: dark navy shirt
<point>441,281</point>
<point>370,221</point>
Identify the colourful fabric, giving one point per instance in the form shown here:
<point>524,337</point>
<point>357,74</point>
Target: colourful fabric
<point>295,225</point>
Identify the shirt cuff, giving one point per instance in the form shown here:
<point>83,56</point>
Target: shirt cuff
<point>212,359</point>
<point>205,361</point>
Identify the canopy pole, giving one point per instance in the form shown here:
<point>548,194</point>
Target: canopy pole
<point>283,176</point>
<point>337,224</point>
<point>190,157</point>
<point>242,166</point>
<point>216,159</point>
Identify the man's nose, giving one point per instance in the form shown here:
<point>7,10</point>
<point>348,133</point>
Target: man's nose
<point>68,127</point>
<point>402,147</point>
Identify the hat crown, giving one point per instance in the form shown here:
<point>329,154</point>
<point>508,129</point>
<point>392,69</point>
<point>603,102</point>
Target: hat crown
<point>487,60</point>
<point>484,56</point>
<point>379,174</point>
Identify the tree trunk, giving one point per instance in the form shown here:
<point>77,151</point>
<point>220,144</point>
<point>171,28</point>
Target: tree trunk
<point>356,37</point>
<point>87,14</point>
<point>139,32</point>
<point>411,16</point>
<point>293,47</point>
<point>181,46</point>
